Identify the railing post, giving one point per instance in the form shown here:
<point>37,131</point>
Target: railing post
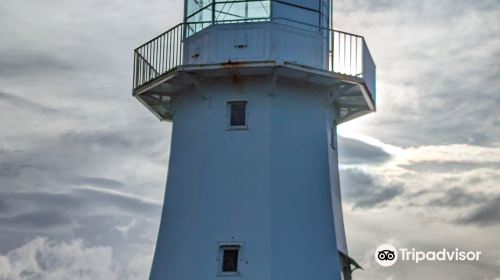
<point>363,59</point>
<point>134,74</point>
<point>213,12</point>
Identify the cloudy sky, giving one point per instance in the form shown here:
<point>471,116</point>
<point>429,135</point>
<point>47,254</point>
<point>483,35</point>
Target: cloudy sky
<point>83,164</point>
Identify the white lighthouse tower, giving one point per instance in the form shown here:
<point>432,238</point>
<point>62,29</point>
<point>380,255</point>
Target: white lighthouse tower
<point>255,90</point>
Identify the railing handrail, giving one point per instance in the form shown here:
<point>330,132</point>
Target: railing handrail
<point>228,21</point>
<point>155,38</point>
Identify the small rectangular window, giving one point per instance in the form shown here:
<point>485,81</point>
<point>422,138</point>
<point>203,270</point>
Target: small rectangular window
<point>237,113</point>
<point>230,255</point>
<point>230,260</point>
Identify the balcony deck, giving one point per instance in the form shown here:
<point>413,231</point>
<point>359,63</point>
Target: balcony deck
<point>348,54</point>
<point>348,60</point>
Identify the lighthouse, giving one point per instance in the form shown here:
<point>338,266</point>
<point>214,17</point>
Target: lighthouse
<point>254,90</point>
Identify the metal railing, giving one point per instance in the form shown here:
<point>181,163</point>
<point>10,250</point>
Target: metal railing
<point>159,55</point>
<point>166,51</point>
<point>348,53</point>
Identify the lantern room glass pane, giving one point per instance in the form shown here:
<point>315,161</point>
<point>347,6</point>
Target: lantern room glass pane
<point>193,6</point>
<point>203,15</point>
<point>229,10</point>
<point>201,10</point>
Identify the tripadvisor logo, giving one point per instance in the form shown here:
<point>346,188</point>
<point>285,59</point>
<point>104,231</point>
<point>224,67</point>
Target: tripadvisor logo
<point>386,255</point>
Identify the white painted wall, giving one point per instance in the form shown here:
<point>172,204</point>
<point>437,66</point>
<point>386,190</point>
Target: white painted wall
<point>265,41</point>
<point>268,187</point>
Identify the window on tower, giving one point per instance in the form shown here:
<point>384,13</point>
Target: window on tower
<point>230,255</point>
<point>237,114</point>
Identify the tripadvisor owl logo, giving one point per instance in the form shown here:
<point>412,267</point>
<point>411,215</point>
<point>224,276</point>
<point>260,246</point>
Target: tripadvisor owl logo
<point>386,255</point>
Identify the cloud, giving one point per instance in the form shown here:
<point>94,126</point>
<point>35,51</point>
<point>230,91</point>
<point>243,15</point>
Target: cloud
<point>353,151</point>
<point>44,259</point>
<point>365,191</point>
<point>107,139</point>
<point>26,104</point>
<point>88,212</point>
<point>425,94</point>
<point>32,201</point>
<point>74,200</point>
<point>454,153</point>
<point>102,182</point>
<point>446,167</point>
<point>457,197</point>
<point>487,214</point>
<point>121,200</point>
<point>78,150</point>
<point>32,62</point>
<point>101,158</point>
<point>39,219</point>
<point>124,229</point>
<point>3,206</point>
<point>79,155</point>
